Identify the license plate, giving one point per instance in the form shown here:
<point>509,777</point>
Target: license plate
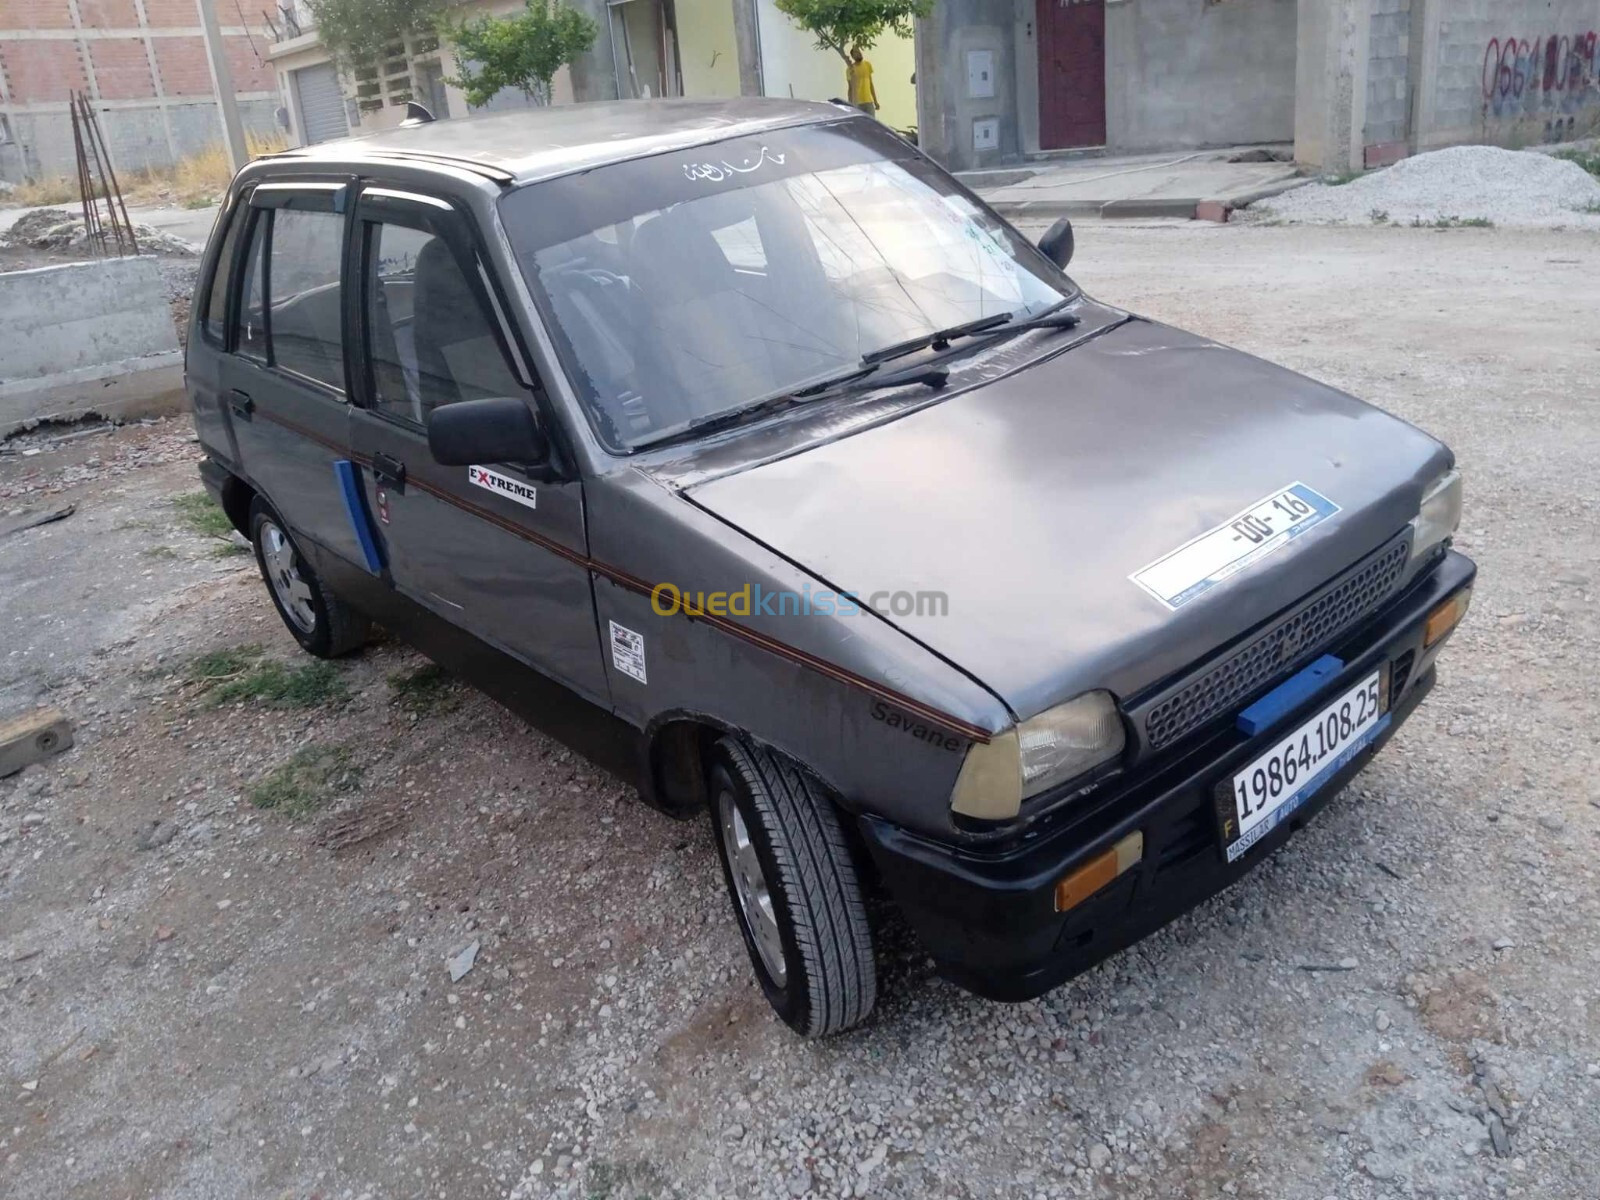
<point>1208,561</point>
<point>1273,785</point>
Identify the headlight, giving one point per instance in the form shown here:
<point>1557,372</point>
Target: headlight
<point>1439,515</point>
<point>1051,748</point>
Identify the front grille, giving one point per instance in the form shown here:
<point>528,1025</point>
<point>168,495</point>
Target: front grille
<point>1226,683</point>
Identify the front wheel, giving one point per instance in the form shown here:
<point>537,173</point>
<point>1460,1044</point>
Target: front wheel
<point>323,624</point>
<point>794,888</point>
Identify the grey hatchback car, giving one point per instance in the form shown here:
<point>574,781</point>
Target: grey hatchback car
<point>745,450</point>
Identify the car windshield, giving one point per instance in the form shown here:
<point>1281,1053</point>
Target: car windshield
<point>689,284</point>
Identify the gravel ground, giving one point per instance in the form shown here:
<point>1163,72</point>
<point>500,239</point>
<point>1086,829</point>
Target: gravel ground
<point>1462,183</point>
<point>201,998</point>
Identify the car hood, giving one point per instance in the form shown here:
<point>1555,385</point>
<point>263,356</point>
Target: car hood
<point>1029,501</point>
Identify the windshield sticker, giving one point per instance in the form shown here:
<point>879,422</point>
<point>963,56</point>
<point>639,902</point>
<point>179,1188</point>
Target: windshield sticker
<point>1269,524</point>
<point>511,489</point>
<point>627,652</point>
<point>716,172</point>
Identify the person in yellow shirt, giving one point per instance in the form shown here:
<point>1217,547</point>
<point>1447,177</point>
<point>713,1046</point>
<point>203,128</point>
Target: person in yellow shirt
<point>862,94</point>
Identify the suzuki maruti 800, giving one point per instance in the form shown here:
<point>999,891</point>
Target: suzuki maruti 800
<point>740,446</point>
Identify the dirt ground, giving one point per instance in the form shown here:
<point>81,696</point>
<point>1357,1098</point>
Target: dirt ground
<point>204,997</point>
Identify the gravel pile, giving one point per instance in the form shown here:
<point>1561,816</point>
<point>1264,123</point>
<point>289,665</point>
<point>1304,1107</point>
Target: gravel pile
<point>1462,183</point>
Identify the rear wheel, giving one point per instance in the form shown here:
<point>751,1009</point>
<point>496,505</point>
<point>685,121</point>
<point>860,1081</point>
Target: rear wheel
<point>323,624</point>
<point>794,887</point>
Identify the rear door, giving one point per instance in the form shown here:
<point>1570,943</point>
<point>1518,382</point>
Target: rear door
<point>283,383</point>
<point>494,548</point>
<point>208,339</point>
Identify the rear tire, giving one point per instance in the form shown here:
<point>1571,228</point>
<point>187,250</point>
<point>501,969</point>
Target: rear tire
<point>794,888</point>
<point>323,624</point>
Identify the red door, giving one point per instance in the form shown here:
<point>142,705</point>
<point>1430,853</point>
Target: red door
<point>1072,73</point>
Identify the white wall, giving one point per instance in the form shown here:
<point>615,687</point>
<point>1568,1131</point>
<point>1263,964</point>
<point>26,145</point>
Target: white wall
<point>708,52</point>
<point>792,66</point>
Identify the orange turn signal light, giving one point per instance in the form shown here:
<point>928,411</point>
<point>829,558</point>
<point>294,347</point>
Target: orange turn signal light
<point>1072,890</point>
<point>1446,617</point>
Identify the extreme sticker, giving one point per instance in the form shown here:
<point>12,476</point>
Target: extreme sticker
<point>1269,524</point>
<point>627,652</point>
<point>511,489</point>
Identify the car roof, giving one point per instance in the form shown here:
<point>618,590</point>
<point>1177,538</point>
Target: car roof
<point>540,143</point>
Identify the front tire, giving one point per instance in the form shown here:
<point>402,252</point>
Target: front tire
<point>323,624</point>
<point>794,888</point>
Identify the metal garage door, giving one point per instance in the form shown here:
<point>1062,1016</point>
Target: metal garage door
<point>316,90</point>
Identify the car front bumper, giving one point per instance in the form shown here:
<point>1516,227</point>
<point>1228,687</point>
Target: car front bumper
<point>987,915</point>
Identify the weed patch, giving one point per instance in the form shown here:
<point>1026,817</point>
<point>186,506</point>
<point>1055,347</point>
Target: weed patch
<point>313,776</point>
<point>201,514</point>
<point>1453,223</point>
<point>1589,160</point>
<point>242,674</point>
<point>214,666</point>
<point>426,691</point>
<point>43,193</point>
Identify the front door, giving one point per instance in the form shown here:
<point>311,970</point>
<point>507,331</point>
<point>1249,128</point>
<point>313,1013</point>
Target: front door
<point>1072,73</point>
<point>490,548</point>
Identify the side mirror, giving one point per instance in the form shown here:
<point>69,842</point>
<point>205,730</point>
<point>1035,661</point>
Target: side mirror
<point>500,429</point>
<point>1058,243</point>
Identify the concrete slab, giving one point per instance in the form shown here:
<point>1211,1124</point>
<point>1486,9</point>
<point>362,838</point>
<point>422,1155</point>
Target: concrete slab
<point>85,337</point>
<point>1160,185</point>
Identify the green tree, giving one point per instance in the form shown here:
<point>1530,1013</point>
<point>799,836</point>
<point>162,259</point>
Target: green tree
<point>360,32</point>
<point>840,24</point>
<point>524,50</point>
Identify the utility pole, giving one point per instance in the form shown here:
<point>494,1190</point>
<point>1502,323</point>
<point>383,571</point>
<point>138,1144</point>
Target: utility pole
<point>222,83</point>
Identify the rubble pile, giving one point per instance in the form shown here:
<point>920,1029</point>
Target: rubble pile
<point>59,229</point>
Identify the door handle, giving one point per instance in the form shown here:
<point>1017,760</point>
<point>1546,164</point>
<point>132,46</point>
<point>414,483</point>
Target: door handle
<point>389,470</point>
<point>243,407</point>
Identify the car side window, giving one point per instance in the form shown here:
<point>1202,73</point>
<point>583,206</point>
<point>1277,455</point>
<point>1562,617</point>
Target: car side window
<point>432,341</point>
<point>304,256</point>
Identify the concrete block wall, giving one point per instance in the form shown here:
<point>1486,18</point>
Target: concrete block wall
<point>86,337</point>
<point>1513,72</point>
<point>1388,73</point>
<point>138,136</point>
<point>142,63</point>
<point>945,112</point>
<point>1191,73</point>
<point>1422,74</point>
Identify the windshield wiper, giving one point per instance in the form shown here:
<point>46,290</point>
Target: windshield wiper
<point>776,401</point>
<point>938,340</point>
<point>1051,318</point>
<point>862,378</point>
